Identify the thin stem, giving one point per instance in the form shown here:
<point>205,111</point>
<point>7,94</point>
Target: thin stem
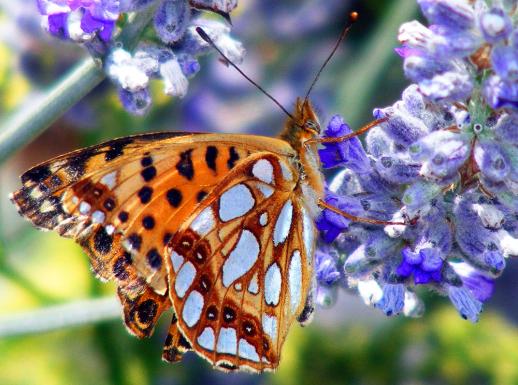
<point>40,111</point>
<point>56,317</point>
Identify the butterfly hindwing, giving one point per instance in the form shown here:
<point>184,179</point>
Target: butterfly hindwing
<point>241,266</point>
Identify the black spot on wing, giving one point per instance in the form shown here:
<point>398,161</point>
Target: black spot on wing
<point>77,164</point>
<point>210,157</point>
<point>109,204</point>
<point>146,161</point>
<point>167,237</point>
<point>232,158</point>
<point>201,195</point>
<point>148,222</point>
<point>117,148</point>
<point>102,241</point>
<point>146,311</point>
<point>174,197</point>
<point>135,241</point>
<point>154,259</point>
<point>123,216</point>
<point>37,174</point>
<point>185,166</point>
<point>145,194</point>
<point>148,173</point>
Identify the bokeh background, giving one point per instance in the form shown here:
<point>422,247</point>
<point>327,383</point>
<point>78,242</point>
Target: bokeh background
<point>58,325</point>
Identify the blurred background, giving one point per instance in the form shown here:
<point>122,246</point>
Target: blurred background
<point>58,325</point>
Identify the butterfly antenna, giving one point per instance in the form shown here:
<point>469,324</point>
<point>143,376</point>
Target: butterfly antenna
<point>353,16</point>
<point>207,38</point>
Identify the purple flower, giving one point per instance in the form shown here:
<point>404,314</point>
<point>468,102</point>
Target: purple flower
<point>331,223</point>
<point>172,57</point>
<point>326,269</point>
<point>392,300</point>
<point>349,154</point>
<point>478,283</point>
<point>465,302</point>
<point>447,59</point>
<point>501,93</point>
<point>495,25</point>
<point>172,19</point>
<point>425,265</point>
<point>96,16</point>
<point>422,251</point>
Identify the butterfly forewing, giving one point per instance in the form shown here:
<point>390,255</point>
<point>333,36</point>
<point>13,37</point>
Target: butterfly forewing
<point>239,267</point>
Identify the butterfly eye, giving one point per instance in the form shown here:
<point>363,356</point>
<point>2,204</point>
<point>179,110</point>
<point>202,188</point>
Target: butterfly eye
<point>312,126</point>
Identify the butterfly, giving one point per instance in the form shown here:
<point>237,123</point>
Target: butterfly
<point>218,227</point>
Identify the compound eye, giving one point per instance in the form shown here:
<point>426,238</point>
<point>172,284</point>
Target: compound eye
<point>311,125</point>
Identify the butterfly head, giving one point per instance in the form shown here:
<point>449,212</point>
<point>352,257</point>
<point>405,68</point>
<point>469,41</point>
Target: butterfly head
<point>303,126</point>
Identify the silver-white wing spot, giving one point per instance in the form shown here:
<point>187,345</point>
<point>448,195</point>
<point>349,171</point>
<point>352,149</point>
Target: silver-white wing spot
<point>84,208</point>
<point>109,180</point>
<point>184,279</point>
<point>270,326</point>
<point>235,202</point>
<point>283,224</point>
<point>176,260</point>
<point>295,280</point>
<point>272,285</point>
<point>308,234</point>
<point>263,219</point>
<point>286,172</point>
<point>227,341</point>
<point>192,308</point>
<point>247,351</point>
<point>266,190</point>
<point>253,287</point>
<point>263,170</point>
<point>206,339</point>
<point>98,216</point>
<point>204,222</point>
<point>241,258</point>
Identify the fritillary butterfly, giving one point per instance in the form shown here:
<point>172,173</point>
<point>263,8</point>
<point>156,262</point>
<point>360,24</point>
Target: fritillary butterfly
<point>217,226</point>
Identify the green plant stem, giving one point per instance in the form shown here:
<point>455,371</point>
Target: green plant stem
<point>362,80</point>
<point>56,317</point>
<point>37,114</point>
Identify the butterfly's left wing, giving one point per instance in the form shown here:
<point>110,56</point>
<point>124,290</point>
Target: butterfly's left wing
<point>241,266</point>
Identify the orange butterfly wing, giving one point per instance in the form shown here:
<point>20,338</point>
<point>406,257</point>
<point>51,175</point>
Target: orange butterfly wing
<point>241,265</point>
<point>99,197</point>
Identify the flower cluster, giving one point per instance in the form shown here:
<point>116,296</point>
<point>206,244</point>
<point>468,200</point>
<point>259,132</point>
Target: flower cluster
<point>465,39</point>
<point>441,166</point>
<point>169,51</point>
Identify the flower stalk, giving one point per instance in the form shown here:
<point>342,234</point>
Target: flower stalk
<point>32,118</point>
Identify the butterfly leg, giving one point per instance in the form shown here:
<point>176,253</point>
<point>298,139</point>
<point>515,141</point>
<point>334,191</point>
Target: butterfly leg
<point>175,344</point>
<point>339,139</point>
<point>354,218</point>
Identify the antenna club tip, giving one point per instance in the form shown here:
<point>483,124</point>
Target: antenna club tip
<point>202,34</point>
<point>353,16</point>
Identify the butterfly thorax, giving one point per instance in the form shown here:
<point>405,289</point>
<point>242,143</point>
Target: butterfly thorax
<point>303,127</point>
